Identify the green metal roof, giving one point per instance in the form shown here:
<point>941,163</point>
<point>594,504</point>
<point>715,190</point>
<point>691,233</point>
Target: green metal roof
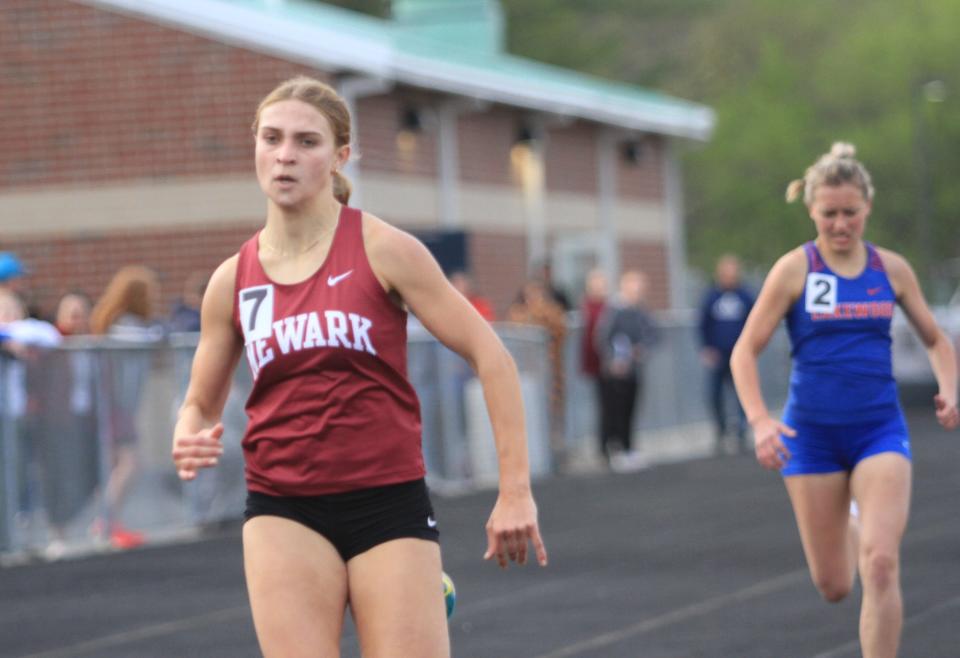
<point>348,42</point>
<point>477,24</point>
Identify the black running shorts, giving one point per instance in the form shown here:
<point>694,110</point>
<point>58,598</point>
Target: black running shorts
<point>356,521</point>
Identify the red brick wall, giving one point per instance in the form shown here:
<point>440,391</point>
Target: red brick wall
<point>382,149</point>
<point>643,179</point>
<point>651,258</point>
<point>59,264</point>
<point>98,97</point>
<point>498,265</point>
<point>498,262</point>
<point>92,97</point>
<point>571,159</point>
<point>485,140</point>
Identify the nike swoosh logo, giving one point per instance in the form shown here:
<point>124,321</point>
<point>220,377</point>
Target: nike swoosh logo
<point>334,280</point>
<point>874,291</point>
<point>432,522</point>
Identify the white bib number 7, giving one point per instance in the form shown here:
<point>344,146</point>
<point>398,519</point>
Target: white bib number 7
<point>821,293</point>
<point>256,312</point>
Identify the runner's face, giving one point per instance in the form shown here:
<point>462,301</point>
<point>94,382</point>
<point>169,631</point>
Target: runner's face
<point>296,153</point>
<point>840,215</point>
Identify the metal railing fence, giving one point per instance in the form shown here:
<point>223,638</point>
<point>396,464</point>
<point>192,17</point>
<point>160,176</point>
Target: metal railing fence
<point>85,429</point>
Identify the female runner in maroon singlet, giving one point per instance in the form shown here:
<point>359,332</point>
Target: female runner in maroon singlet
<point>337,511</point>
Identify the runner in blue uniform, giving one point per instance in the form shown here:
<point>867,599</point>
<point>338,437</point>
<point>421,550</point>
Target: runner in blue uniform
<point>843,434</point>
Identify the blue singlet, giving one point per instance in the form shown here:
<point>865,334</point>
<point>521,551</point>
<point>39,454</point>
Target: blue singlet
<point>843,398</point>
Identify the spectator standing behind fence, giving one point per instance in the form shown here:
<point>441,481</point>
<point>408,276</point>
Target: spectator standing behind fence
<point>596,289</point>
<point>12,271</point>
<point>67,422</point>
<point>72,317</point>
<point>23,340</point>
<point>723,312</point>
<point>185,315</point>
<point>125,313</point>
<point>19,333</point>
<point>554,292</point>
<point>625,335</point>
<point>12,275</point>
<point>535,306</point>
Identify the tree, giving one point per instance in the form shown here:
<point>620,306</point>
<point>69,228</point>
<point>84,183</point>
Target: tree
<point>786,80</point>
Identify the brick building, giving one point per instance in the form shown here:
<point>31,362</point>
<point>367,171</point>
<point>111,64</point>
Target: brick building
<point>128,140</point>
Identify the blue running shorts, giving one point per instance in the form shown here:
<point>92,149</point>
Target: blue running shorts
<point>831,448</point>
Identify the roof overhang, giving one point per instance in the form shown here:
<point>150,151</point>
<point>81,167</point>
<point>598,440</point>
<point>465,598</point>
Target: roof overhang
<point>341,41</point>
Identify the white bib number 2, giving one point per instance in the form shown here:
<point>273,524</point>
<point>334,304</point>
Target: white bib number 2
<point>821,293</point>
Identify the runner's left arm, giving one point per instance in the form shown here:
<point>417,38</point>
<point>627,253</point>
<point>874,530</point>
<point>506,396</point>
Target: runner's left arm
<point>940,350</point>
<point>406,267</point>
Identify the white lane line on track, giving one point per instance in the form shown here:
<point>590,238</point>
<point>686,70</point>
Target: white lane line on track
<point>711,605</point>
<point>145,633</point>
<point>853,646</point>
<point>171,627</point>
<point>681,614</point>
<point>666,619</point>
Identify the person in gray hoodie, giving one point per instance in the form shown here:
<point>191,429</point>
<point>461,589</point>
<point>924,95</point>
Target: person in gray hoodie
<point>625,334</point>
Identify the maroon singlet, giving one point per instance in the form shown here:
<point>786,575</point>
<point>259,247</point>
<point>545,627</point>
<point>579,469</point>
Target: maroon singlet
<point>331,408</point>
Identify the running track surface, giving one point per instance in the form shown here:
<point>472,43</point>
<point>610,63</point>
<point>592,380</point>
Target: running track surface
<point>693,559</point>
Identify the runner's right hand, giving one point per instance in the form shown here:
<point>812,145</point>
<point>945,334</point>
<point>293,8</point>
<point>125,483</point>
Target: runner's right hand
<point>771,452</point>
<point>947,413</point>
<point>195,451</point>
